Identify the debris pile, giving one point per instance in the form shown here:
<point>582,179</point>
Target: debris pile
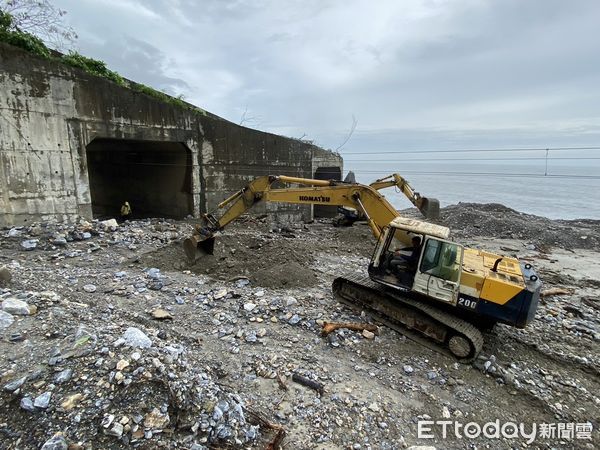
<point>111,340</point>
<point>468,220</point>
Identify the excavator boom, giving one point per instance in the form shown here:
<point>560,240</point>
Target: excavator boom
<point>365,199</point>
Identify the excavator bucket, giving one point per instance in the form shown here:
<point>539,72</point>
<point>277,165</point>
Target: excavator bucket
<point>430,208</point>
<point>196,247</point>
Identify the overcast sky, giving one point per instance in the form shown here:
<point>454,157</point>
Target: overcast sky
<point>414,74</point>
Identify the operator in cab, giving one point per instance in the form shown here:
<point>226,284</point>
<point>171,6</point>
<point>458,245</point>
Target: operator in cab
<point>404,262</point>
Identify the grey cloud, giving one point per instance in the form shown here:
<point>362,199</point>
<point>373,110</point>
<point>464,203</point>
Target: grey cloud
<point>403,69</point>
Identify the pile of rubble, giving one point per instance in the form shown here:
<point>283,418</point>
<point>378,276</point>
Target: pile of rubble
<point>111,340</point>
<point>498,221</point>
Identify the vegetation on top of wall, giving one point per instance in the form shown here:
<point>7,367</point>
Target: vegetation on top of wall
<point>27,41</point>
<point>92,66</point>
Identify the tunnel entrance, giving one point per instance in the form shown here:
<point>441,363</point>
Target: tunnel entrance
<point>154,177</point>
<point>326,173</point>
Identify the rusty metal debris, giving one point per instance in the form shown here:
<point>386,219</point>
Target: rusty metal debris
<point>329,327</point>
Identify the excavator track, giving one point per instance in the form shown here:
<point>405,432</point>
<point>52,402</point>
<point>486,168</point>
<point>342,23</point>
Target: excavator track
<point>419,321</point>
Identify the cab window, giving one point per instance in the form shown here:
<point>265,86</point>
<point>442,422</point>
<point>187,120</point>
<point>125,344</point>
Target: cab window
<point>442,260</point>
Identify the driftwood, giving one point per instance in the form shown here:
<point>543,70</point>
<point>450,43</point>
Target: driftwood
<point>282,382</point>
<point>258,419</point>
<point>555,291</point>
<point>329,327</point>
<point>275,444</point>
<point>308,383</point>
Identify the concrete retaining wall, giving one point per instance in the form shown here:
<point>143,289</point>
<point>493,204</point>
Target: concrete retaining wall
<point>52,114</point>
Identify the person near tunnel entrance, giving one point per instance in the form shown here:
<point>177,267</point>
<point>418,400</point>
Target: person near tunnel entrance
<point>125,211</point>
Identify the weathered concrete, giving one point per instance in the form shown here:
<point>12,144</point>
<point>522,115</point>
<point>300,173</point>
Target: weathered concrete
<point>65,133</point>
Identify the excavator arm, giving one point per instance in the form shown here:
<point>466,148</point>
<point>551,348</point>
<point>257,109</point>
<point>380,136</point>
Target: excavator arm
<point>366,199</point>
<point>429,207</point>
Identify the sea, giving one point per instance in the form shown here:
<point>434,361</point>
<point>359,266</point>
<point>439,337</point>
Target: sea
<point>559,190</point>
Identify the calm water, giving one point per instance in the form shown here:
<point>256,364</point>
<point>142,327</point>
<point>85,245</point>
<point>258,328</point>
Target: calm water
<point>556,198</point>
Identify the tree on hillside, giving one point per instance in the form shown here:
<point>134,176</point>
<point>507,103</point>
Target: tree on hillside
<point>42,19</point>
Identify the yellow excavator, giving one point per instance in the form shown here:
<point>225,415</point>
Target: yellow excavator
<point>419,282</point>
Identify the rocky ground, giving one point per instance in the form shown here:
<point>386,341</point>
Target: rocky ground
<point>109,339</point>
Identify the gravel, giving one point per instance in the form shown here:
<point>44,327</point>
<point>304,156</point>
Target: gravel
<point>214,368</point>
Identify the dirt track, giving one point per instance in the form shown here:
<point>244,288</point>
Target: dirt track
<point>229,340</point>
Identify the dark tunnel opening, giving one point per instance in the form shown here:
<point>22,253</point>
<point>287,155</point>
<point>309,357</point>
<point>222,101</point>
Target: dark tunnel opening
<point>154,177</point>
<point>326,173</point>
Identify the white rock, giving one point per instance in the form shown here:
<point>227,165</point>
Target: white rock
<point>374,407</point>
<point>368,334</point>
<point>249,306</point>
<point>6,320</point>
<point>134,337</point>
<point>290,301</point>
<point>110,224</point>
<point>445,412</point>
<point>13,232</point>
<point>89,288</point>
<point>56,442</point>
<point>15,306</point>
<point>29,244</point>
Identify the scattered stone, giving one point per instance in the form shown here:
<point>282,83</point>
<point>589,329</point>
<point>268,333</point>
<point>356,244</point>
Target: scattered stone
<point>249,306</point>
<point>445,412</point>
<point>368,334</point>
<point>6,320</point>
<point>71,402</point>
<point>294,319</point>
<point>15,384</point>
<point>27,404</point>
<point>89,288</point>
<point>5,276</point>
<point>29,244</point>
<point>116,430</point>
<point>154,273</point>
<point>42,401</point>
<point>220,294</point>
<point>156,420</point>
<point>122,364</point>
<point>408,369</point>
<point>161,314</point>
<point>63,376</point>
<point>134,337</point>
<point>251,337</point>
<point>56,442</point>
<point>109,225</point>
<point>15,306</point>
<point>290,301</point>
<point>59,241</point>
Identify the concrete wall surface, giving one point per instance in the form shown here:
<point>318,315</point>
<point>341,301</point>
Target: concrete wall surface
<point>72,144</point>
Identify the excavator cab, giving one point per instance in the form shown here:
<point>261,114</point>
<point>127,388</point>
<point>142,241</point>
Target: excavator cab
<point>433,268</point>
